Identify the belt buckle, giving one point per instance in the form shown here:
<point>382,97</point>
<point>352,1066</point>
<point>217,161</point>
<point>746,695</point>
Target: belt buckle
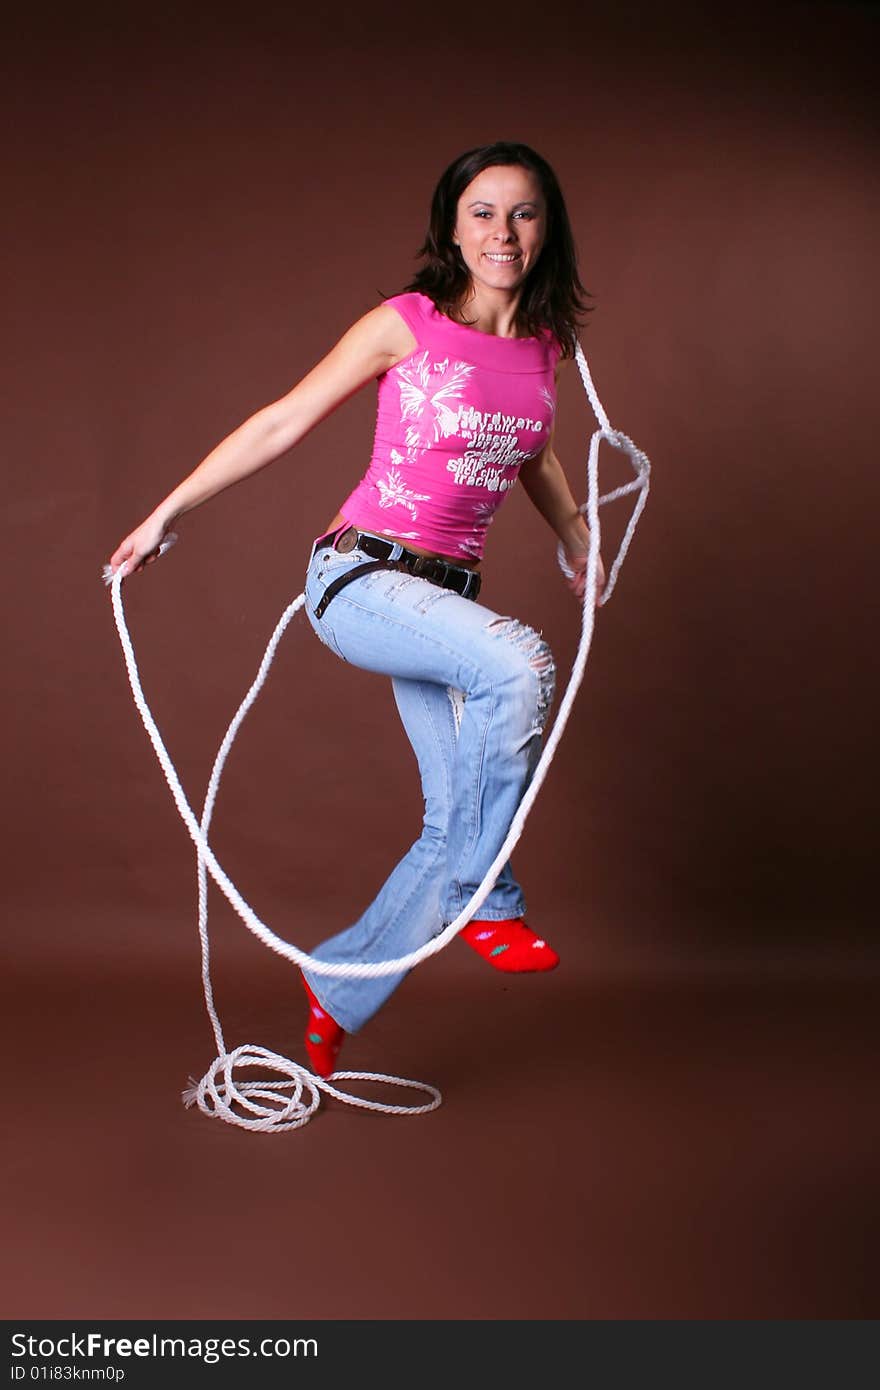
<point>347,541</point>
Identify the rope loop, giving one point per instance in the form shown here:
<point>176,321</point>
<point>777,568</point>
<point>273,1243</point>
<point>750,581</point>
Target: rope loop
<point>267,1109</point>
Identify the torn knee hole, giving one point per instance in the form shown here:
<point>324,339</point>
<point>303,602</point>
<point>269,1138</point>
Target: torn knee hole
<point>540,659</point>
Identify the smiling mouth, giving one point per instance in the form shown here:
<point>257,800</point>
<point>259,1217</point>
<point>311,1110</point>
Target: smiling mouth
<point>502,257</point>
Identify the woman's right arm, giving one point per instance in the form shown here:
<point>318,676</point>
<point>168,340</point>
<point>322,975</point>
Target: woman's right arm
<point>372,345</point>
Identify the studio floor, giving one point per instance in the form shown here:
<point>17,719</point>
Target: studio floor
<point>697,1142</point>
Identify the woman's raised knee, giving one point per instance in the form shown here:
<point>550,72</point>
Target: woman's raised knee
<point>537,669</point>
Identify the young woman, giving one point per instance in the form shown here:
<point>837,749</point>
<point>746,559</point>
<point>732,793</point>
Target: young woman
<point>467,359</point>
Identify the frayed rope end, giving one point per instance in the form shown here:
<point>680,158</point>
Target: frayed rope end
<point>191,1094</point>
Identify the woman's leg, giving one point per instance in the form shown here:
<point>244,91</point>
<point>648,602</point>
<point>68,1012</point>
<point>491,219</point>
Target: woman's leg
<point>506,900</point>
<point>404,627</point>
<point>407,910</point>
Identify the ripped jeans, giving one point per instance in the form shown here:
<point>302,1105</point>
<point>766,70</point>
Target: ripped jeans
<point>473,690</point>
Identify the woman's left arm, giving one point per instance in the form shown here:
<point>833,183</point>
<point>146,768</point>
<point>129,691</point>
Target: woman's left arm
<point>543,478</point>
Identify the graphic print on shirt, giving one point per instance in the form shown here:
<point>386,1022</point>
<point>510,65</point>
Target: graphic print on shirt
<point>432,408</point>
<point>393,492</point>
<point>484,513</point>
<point>455,421</point>
<point>492,445</point>
<point>491,458</point>
<point>425,392</point>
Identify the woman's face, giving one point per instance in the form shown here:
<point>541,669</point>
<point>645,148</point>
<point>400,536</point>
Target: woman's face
<point>500,225</point>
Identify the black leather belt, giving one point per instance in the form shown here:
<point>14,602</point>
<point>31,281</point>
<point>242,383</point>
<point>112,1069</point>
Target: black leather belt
<point>459,578</point>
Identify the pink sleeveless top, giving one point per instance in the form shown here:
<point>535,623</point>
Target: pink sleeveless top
<point>455,420</point>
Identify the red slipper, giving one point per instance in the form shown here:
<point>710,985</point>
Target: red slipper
<point>323,1037</point>
<point>510,946</point>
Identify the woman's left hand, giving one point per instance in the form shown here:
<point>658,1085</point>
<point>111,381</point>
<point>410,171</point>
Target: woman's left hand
<point>577,561</point>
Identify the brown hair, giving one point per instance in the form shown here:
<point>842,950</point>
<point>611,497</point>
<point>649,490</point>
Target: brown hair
<point>551,294</point>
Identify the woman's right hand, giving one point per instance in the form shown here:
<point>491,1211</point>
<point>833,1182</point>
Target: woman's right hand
<point>141,547</point>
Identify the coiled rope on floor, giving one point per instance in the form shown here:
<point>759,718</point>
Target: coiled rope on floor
<point>273,1106</point>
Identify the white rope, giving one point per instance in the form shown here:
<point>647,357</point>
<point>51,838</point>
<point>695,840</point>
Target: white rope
<point>218,1094</point>
<point>216,1097</point>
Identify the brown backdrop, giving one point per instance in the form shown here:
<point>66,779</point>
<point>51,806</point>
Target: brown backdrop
<point>198,209</point>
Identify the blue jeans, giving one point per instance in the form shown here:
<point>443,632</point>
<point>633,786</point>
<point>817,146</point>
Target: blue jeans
<point>473,690</point>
